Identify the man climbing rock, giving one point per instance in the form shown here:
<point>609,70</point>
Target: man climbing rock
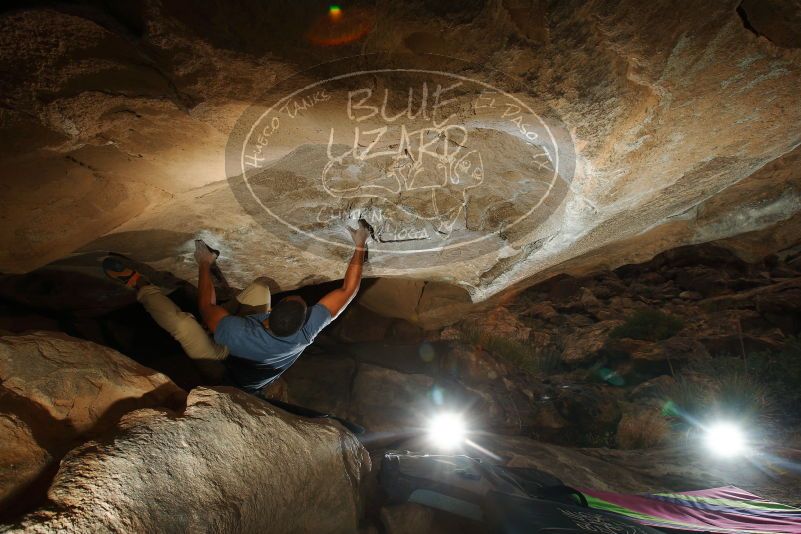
<point>255,349</point>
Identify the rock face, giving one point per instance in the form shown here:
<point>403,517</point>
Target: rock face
<point>137,454</point>
<point>684,124</point>
<point>682,305</point>
<point>56,391</point>
<point>427,304</point>
<point>23,460</point>
<point>588,361</point>
<point>79,384</point>
<point>229,463</point>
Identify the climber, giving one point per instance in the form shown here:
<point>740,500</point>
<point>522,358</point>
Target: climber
<point>256,349</point>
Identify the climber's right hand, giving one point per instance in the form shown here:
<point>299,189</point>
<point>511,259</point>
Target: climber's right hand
<point>203,254</point>
<point>360,234</point>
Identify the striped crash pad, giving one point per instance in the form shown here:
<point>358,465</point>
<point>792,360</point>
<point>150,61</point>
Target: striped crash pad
<point>727,509</point>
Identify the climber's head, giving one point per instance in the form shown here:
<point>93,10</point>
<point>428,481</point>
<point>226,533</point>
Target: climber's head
<point>287,317</point>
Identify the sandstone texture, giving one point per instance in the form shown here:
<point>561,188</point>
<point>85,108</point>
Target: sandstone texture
<point>137,455</point>
<point>56,392</point>
<point>229,463</point>
<point>683,125</point>
<point>77,383</point>
<point>23,460</point>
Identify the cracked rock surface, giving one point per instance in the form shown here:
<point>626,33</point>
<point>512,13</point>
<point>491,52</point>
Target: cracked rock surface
<point>684,124</point>
<point>117,446</point>
<point>230,462</point>
<point>78,383</point>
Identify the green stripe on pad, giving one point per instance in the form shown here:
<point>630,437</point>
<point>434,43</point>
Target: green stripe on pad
<point>600,504</point>
<point>595,502</point>
<point>734,503</point>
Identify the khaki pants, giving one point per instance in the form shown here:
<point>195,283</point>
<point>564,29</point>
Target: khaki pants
<point>183,326</point>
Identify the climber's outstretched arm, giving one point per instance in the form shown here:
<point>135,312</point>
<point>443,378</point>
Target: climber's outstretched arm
<point>338,299</point>
<point>206,296</point>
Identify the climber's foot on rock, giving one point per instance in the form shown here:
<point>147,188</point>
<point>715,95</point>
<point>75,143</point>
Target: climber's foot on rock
<point>116,269</point>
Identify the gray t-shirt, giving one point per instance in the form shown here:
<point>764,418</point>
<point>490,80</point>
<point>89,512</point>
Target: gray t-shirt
<point>257,356</point>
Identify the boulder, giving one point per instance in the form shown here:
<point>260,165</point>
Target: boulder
<point>393,297</point>
<point>735,344</point>
<point>608,284</point>
<point>540,339</point>
<point>642,428</point>
<point>386,400</point>
<point>705,254</point>
<point>442,304</point>
<point>360,324</point>
<point>23,459</point>
<point>472,365</point>
<point>707,281</point>
<point>563,289</point>
<point>229,463</point>
<point>682,347</point>
<point>782,308</point>
<point>585,343</point>
<point>14,322</point>
<point>65,290</point>
<point>405,332</point>
<point>322,383</point>
<point>649,354</point>
<point>547,420</point>
<point>79,384</point>
<point>500,322</point>
<point>125,125</point>
<point>542,310</point>
<point>57,391</point>
<point>430,305</point>
<point>588,408</point>
<point>502,406</point>
<point>623,304</point>
<point>651,389</point>
<point>578,320</point>
<point>653,278</point>
<point>637,349</point>
<point>450,333</point>
<point>277,390</point>
<point>588,299</point>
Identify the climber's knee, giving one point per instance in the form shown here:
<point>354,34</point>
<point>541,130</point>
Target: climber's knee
<point>256,296</point>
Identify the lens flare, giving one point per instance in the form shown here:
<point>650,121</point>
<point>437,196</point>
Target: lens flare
<point>725,439</point>
<point>447,430</point>
<point>335,28</point>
